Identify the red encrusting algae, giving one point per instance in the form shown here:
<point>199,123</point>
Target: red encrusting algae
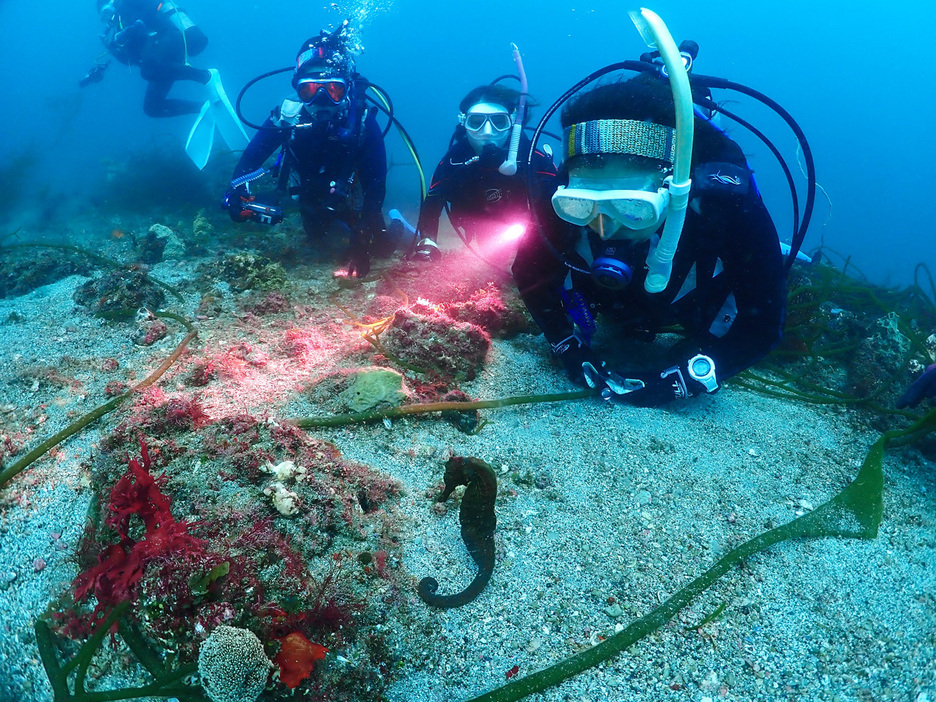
<point>120,567</point>
<point>296,658</point>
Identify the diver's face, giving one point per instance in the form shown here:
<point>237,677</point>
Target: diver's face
<point>615,215</point>
<point>487,123</point>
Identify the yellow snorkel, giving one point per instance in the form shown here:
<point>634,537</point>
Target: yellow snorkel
<point>657,36</point>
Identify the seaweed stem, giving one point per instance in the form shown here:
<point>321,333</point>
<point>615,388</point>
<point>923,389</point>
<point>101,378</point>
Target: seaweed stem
<point>165,683</point>
<point>407,410</point>
<point>7,474</point>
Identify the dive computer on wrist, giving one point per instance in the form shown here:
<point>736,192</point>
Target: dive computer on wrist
<point>702,370</point>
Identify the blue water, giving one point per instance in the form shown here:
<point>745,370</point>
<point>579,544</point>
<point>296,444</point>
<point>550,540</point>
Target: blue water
<point>857,76</point>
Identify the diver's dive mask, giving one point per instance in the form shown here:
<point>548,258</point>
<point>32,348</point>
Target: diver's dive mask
<point>325,98</point>
<point>621,166</point>
<point>332,89</point>
<point>633,209</point>
<point>486,124</point>
<point>477,121</point>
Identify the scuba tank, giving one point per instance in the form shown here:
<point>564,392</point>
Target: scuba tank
<point>167,16</point>
<point>193,37</point>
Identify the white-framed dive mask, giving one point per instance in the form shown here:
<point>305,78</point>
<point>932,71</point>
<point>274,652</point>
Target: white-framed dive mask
<point>633,209</point>
<point>487,123</point>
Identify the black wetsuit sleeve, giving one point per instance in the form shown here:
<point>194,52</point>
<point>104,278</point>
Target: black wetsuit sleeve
<point>372,170</point>
<point>261,146</point>
<point>542,182</point>
<point>539,274</point>
<point>538,270</point>
<point>431,209</point>
<point>754,266</point>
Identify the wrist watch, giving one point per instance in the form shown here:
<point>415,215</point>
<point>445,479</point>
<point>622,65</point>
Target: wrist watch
<point>702,370</point>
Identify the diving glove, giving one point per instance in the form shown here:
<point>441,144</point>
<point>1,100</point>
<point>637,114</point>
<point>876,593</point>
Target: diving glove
<point>690,379</point>
<point>131,34</point>
<point>611,384</point>
<point>234,201</point>
<point>584,368</point>
<point>575,356</point>
<point>359,266</point>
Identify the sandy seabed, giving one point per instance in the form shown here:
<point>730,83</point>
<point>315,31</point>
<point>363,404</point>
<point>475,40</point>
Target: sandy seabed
<point>607,510</point>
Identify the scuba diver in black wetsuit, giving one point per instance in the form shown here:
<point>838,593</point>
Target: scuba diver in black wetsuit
<point>159,38</point>
<point>333,158</point>
<point>470,182</point>
<point>652,248</point>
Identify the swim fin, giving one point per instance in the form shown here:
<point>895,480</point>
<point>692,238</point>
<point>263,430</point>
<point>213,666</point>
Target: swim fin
<point>216,113</point>
<point>201,137</point>
<point>397,216</point>
<point>226,119</point>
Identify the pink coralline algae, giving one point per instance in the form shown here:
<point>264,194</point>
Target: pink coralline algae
<point>424,336</point>
<point>272,303</point>
<point>303,343</point>
<point>159,415</point>
<point>487,309</point>
<point>9,446</point>
<point>150,332</point>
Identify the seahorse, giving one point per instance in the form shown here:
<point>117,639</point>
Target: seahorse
<point>477,527</point>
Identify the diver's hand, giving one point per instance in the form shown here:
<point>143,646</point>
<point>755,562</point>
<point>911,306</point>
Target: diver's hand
<point>584,368</point>
<point>923,387</point>
<point>613,386</point>
<point>426,250</point>
<point>359,251</point>
<point>130,34</point>
<point>674,383</point>
<point>574,354</point>
<point>359,265</point>
<point>233,199</point>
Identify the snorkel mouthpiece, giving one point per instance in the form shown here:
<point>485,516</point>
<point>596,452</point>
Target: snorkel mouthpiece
<point>657,36</point>
<point>612,274</point>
